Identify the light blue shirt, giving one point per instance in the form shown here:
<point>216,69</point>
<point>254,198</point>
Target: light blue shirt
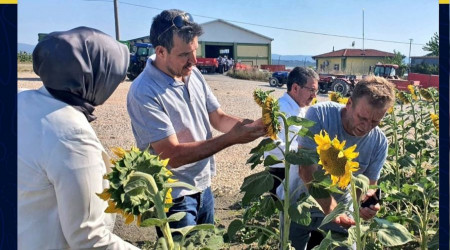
<point>160,106</point>
<point>372,147</point>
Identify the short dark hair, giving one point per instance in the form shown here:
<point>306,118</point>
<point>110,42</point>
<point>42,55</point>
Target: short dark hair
<point>161,32</point>
<point>380,92</point>
<point>300,76</point>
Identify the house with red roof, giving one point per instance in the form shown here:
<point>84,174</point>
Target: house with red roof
<point>350,61</point>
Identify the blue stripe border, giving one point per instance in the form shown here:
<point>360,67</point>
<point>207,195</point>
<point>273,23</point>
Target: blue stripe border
<point>8,126</point>
<point>444,126</point>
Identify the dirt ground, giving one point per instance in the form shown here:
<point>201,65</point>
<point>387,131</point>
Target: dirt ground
<point>114,129</point>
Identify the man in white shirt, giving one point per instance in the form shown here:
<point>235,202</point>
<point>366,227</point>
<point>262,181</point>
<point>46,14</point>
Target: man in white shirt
<point>302,88</point>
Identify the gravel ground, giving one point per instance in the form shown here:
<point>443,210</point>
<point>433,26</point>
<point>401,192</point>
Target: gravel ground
<point>114,129</point>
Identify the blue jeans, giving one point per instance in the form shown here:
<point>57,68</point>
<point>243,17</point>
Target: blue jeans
<point>199,209</point>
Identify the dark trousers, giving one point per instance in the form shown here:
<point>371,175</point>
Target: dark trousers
<point>278,172</point>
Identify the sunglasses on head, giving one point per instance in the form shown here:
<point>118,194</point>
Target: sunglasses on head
<point>179,22</point>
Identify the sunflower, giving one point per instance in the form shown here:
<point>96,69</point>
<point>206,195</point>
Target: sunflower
<point>342,100</point>
<point>390,110</point>
<point>135,181</point>
<point>435,120</point>
<point>403,97</point>
<point>426,94</point>
<point>412,90</point>
<point>269,117</point>
<point>334,96</point>
<point>335,160</point>
<point>260,96</point>
<point>314,101</point>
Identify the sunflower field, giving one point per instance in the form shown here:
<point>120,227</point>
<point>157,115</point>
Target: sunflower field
<point>408,218</point>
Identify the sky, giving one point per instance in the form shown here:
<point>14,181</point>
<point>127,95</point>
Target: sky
<point>298,27</point>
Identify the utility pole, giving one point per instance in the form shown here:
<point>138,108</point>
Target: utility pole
<point>116,18</point>
<point>409,56</point>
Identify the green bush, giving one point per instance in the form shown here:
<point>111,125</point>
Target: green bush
<point>424,68</point>
<point>254,75</point>
<point>23,56</point>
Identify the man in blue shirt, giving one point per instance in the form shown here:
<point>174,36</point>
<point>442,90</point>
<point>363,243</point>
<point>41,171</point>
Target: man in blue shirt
<point>356,123</point>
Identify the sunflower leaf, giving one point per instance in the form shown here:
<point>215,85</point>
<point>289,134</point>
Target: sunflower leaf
<point>303,157</point>
<point>298,121</point>
<point>234,227</point>
<point>339,209</point>
<point>266,144</point>
<point>271,160</point>
<point>362,183</point>
<point>392,234</point>
<point>153,222</point>
<point>255,185</point>
<point>181,184</point>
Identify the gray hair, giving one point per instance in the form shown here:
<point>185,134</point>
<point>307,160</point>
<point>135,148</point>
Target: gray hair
<point>300,76</point>
<point>161,32</point>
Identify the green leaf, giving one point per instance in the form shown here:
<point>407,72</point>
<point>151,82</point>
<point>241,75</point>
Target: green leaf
<point>305,132</point>
<point>298,121</point>
<point>234,227</point>
<point>181,184</point>
<point>331,241</point>
<point>300,214</point>
<point>255,185</point>
<point>266,144</point>
<point>153,222</point>
<point>271,160</point>
<point>392,234</point>
<point>303,157</point>
<point>268,206</point>
<point>318,191</point>
<point>434,243</point>
<point>176,216</point>
<point>188,229</point>
<point>339,209</point>
<point>138,182</point>
<point>362,183</point>
<point>412,148</point>
<point>255,159</point>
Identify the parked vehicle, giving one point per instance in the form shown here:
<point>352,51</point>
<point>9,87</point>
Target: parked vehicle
<point>138,59</point>
<point>207,65</point>
<point>388,71</point>
<point>278,78</point>
<point>342,84</point>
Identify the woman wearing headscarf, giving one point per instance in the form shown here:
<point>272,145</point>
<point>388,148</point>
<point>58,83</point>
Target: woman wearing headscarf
<point>61,162</point>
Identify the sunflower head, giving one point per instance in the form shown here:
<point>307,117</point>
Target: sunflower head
<point>426,94</point>
<point>412,91</point>
<point>260,96</point>
<point>334,96</point>
<point>269,117</point>
<point>435,120</point>
<point>402,96</point>
<point>336,161</point>
<point>130,194</point>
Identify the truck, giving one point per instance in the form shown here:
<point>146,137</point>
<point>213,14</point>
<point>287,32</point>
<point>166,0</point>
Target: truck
<point>207,65</point>
<point>138,58</point>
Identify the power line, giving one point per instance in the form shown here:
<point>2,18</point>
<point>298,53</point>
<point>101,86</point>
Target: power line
<point>270,27</point>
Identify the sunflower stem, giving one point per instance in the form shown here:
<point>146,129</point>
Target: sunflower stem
<point>286,202</point>
<point>356,214</point>
<point>159,205</point>
<point>397,167</point>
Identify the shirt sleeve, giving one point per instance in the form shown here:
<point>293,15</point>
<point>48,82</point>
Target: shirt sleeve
<point>306,142</point>
<point>76,172</point>
<point>377,161</point>
<point>149,120</point>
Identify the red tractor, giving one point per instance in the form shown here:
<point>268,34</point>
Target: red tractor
<point>342,84</point>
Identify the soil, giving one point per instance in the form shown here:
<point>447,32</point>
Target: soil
<point>235,96</point>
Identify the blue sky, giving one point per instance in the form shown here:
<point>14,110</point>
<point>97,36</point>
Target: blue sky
<point>389,20</point>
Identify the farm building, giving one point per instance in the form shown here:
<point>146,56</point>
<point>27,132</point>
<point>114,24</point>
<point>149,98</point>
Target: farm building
<point>350,61</point>
<point>222,38</point>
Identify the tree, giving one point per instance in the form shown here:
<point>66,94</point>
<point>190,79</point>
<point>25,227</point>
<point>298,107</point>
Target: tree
<point>397,59</point>
<point>432,45</point>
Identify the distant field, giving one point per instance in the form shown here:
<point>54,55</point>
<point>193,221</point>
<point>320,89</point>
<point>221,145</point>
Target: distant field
<point>25,67</point>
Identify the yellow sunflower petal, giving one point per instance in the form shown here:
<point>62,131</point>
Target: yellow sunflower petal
<point>349,152</point>
<point>120,152</point>
<point>138,220</point>
<point>129,218</point>
<point>105,195</point>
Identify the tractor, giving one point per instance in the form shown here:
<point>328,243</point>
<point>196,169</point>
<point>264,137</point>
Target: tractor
<point>138,59</point>
<point>388,71</point>
<point>342,84</point>
<point>278,78</point>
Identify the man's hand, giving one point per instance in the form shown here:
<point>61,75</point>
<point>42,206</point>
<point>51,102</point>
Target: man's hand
<point>344,220</point>
<point>368,213</point>
<point>247,131</point>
